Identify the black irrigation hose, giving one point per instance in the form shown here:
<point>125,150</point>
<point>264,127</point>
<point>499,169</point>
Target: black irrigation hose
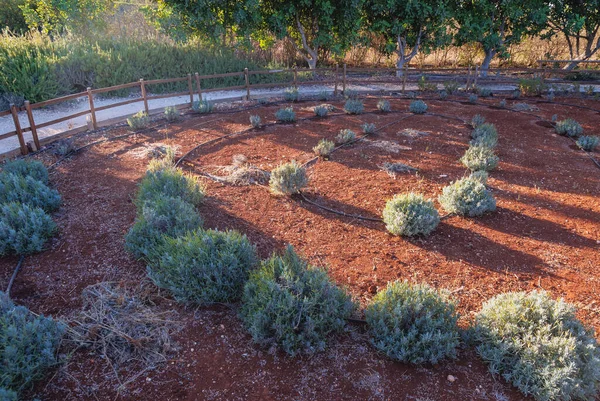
<point>14,276</point>
<point>353,216</point>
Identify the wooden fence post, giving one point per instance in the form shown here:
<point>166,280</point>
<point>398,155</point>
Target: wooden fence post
<point>92,108</point>
<point>198,87</point>
<point>404,77</point>
<point>143,87</point>
<point>335,88</point>
<point>32,125</point>
<point>468,83</point>
<point>295,77</point>
<point>191,89</point>
<point>344,81</point>
<point>15,116</point>
<point>247,79</point>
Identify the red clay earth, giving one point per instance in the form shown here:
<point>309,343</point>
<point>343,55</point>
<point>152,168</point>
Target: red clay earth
<point>545,235</point>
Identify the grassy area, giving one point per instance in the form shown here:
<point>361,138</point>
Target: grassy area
<point>36,68</point>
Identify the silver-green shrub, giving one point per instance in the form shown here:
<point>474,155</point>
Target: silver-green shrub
<point>291,94</point>
<point>477,120</point>
<point>286,115</point>
<point>255,121</point>
<point>171,113</point>
<point>569,127</point>
<point>413,323</point>
<point>157,217</point>
<point>502,104</point>
<point>28,345</point>
<point>23,229</point>
<point>288,179</point>
<point>451,86</point>
<point>8,395</point>
<point>481,176</point>
<point>539,345</point>
<point>384,106</point>
<point>170,182</point>
<point>139,120</point>
<point>28,190</point>
<point>467,197</point>
<point>443,95</point>
<point>588,143</point>
<point>473,98</point>
<point>480,157</point>
<point>350,94</point>
<point>27,168</point>
<point>324,95</point>
<point>293,305</point>
<point>203,267</point>
<point>417,107</point>
<point>484,92</point>
<point>410,214</point>
<point>324,148</point>
<point>368,128</point>
<point>345,136</point>
<point>202,106</point>
<point>320,111</point>
<point>354,106</point>
<point>485,134</point>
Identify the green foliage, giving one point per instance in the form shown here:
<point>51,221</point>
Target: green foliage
<point>502,104</point>
<point>286,115</point>
<point>532,86</point>
<point>169,182</point>
<point>11,18</point>
<point>139,120</point>
<point>477,120</point>
<point>203,267</point>
<point>23,229</point>
<point>350,94</point>
<point>324,96</point>
<point>485,135</point>
<point>443,95</point>
<point>480,157</point>
<point>417,107</point>
<point>473,98</point>
<point>569,127</point>
<point>293,305</point>
<point>320,111</point>
<point>291,94</point>
<point>538,345</point>
<point>324,148</point>
<point>413,323</point>
<point>202,106</point>
<point>171,113</point>
<point>8,395</point>
<point>484,92</point>
<point>368,128</point>
<point>288,179</point>
<point>345,136</point>
<point>39,68</point>
<point>425,86</point>
<point>481,176</point>
<point>516,94</point>
<point>157,217</point>
<point>255,121</point>
<point>467,197</point>
<point>27,190</point>
<point>27,168</point>
<point>410,214</point>
<point>354,106</point>
<point>28,345</point>
<point>451,87</point>
<point>384,105</point>
<point>59,16</point>
<point>588,143</point>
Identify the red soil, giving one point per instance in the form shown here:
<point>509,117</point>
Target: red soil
<point>545,235</point>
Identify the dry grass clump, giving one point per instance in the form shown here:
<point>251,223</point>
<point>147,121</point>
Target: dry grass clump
<point>241,172</point>
<point>396,168</point>
<point>122,324</point>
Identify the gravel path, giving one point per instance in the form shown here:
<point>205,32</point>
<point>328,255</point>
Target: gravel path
<point>81,104</point>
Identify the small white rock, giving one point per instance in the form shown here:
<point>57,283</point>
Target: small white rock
<point>451,378</point>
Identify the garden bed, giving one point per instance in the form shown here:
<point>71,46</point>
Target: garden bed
<point>544,235</point>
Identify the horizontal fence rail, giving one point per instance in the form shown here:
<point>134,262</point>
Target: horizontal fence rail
<point>340,77</point>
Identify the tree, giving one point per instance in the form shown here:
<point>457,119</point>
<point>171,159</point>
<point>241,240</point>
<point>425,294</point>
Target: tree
<point>408,26</point>
<point>579,22</point>
<point>498,24</point>
<point>56,16</point>
<point>311,25</point>
<point>11,16</point>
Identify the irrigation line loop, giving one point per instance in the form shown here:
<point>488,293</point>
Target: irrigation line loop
<point>14,275</point>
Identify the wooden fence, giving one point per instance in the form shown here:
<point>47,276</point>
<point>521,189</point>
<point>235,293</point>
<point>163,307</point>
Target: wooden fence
<point>339,77</point>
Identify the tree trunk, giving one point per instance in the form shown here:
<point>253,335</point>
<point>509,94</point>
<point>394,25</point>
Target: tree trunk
<point>400,66</point>
<point>312,63</point>
<point>403,57</point>
<point>487,60</point>
<point>582,57</point>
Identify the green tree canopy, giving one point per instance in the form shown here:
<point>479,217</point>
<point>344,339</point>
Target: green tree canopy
<point>57,16</point>
<point>408,26</point>
<point>498,24</point>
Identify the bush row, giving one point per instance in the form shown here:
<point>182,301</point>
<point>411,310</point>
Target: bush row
<point>25,201</point>
<point>28,343</point>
